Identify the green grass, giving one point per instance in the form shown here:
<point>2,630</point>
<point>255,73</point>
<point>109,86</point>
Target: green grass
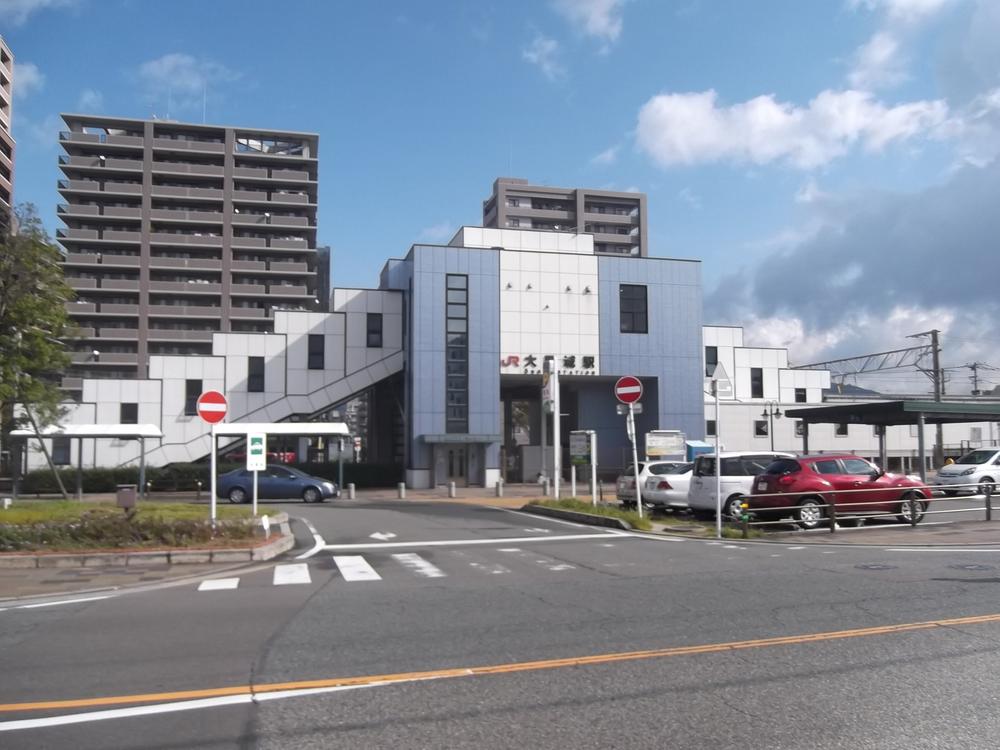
<point>63,511</point>
<point>584,506</point>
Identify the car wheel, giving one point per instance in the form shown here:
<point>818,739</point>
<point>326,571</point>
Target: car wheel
<point>810,513</point>
<point>986,484</point>
<point>237,495</point>
<point>911,504</point>
<point>950,493</point>
<point>311,495</point>
<point>733,509</point>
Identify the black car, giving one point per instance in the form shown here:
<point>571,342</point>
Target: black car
<point>275,483</point>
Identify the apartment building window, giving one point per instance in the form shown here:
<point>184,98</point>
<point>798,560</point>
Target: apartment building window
<point>800,395</point>
<point>756,382</point>
<point>711,357</point>
<point>709,428</point>
<point>128,413</point>
<point>192,389</point>
<point>255,374</point>
<point>632,301</point>
<point>760,428</point>
<point>841,429</point>
<point>513,222</point>
<point>61,451</point>
<point>457,354</point>
<point>317,351</point>
<point>374,330</point>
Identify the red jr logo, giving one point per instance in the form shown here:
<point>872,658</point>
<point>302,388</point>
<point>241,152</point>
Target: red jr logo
<point>511,361</point>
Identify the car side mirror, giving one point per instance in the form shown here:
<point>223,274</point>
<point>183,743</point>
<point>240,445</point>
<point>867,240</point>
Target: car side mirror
<point>876,473</point>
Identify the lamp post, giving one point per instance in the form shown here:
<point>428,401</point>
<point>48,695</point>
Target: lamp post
<point>771,412</point>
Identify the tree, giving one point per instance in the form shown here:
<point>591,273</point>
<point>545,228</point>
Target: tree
<point>33,324</point>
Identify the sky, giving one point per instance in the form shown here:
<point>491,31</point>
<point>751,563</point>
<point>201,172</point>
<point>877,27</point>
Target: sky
<point>833,164</point>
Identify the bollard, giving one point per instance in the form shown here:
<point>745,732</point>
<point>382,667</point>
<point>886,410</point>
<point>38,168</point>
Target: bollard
<point>149,488</point>
<point>545,487</point>
<point>988,491</point>
<point>402,490</point>
<point>499,488</point>
<point>745,519</point>
<point>451,489</point>
<point>350,491</point>
<point>6,503</point>
<point>832,513</point>
<point>198,486</point>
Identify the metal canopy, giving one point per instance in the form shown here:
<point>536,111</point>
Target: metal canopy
<point>298,429</point>
<point>890,413</point>
<point>113,431</point>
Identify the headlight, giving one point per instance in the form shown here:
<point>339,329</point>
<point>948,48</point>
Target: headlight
<point>328,487</point>
<point>968,471</point>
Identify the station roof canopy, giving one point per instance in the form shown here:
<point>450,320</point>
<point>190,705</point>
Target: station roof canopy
<point>889,413</point>
<point>298,429</point>
<point>113,431</point>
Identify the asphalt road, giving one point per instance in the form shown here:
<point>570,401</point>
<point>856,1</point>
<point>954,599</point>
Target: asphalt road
<point>456,588</point>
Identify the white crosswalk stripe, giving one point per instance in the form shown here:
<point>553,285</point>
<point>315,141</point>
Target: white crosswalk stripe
<point>219,584</point>
<point>419,565</point>
<point>285,575</point>
<point>355,568</point>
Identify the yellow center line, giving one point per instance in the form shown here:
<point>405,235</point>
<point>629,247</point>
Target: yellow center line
<point>509,668</point>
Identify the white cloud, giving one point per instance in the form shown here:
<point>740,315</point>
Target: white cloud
<point>690,128</point>
<point>27,79</point>
<point>687,195</point>
<point>90,101</point>
<point>43,134</point>
<point>440,232</point>
<point>17,11</point>
<point>182,80</point>
<point>607,156</point>
<point>601,19</point>
<point>878,63</point>
<point>904,11</point>
<point>545,53</point>
<point>809,193</point>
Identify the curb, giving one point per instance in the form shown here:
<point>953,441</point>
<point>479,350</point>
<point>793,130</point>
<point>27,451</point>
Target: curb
<point>578,516</point>
<point>284,542</point>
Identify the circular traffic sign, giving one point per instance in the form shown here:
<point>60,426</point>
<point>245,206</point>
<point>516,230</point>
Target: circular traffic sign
<point>212,406</point>
<point>628,389</point>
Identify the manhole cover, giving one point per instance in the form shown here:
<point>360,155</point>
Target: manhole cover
<point>875,566</point>
<point>972,566</point>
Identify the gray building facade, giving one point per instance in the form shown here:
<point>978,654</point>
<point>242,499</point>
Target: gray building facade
<point>6,138</point>
<point>616,219</point>
<point>177,231</point>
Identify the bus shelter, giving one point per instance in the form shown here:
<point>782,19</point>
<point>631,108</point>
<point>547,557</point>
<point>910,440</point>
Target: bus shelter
<point>81,432</point>
<point>884,414</point>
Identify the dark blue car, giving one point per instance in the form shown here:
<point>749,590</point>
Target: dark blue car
<point>277,482</point>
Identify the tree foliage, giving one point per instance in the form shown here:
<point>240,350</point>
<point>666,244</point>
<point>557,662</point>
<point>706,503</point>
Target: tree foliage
<point>33,319</point>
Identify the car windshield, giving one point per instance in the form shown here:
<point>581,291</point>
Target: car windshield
<point>630,471</point>
<point>669,468</point>
<point>782,466</point>
<point>977,457</point>
<point>680,469</point>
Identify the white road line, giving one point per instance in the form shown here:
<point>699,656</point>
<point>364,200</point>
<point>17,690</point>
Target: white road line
<point>938,549</point>
<point>418,565</point>
<point>219,584</point>
<point>464,542</point>
<point>285,575</point>
<point>536,517</point>
<point>355,568</point>
<point>65,601</point>
<point>318,541</point>
<point>514,549</point>
<point>794,547</point>
<point>491,568</point>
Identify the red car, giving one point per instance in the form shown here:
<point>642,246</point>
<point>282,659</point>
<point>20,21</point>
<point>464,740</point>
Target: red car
<point>855,486</point>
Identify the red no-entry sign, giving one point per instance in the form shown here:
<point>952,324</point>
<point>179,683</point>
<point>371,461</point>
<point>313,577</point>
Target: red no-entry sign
<point>212,406</point>
<point>628,389</point>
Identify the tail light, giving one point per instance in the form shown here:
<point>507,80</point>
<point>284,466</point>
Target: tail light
<point>786,480</point>
<point>664,485</point>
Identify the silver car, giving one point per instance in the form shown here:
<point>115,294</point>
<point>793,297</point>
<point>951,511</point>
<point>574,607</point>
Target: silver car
<point>668,490</point>
<point>973,472</point>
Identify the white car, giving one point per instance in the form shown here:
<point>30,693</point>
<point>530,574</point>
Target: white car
<point>625,484</point>
<point>738,471</point>
<point>669,490</point>
<point>980,467</point>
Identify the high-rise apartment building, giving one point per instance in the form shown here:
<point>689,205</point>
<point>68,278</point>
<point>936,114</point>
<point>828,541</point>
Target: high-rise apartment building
<point>175,231</point>
<point>6,139</point>
<point>617,220</point>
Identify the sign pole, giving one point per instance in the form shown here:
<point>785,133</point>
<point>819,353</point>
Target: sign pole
<point>635,457</point>
<point>593,468</point>
<point>556,438</point>
<point>718,465</point>
<point>255,493</point>
<point>572,480</point>
<point>212,471</point>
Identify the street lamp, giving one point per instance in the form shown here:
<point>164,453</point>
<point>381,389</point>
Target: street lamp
<point>771,412</point>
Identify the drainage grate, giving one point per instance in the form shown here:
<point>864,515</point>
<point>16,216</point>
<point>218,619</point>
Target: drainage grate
<point>875,566</point>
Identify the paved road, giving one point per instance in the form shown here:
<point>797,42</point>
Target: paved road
<point>458,587</point>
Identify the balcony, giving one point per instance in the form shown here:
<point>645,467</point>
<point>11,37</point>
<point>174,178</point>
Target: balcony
<point>77,209</point>
<point>250,172</point>
<point>100,259</point>
<point>293,175</point>
<point>201,264</point>
<point>117,308</point>
<point>71,384</point>
<point>118,235</point>
<point>293,198</point>
<point>119,285</point>
<point>121,212</point>
<point>184,311</point>
<point>81,259</point>
<point>167,238</point>
<point>247,312</point>
<point>249,241</point>
<point>184,287</point>
<point>100,139</point>
<point>170,334</point>
<point>94,186</point>
<point>100,162</point>
<point>172,144</point>
<point>172,191</point>
<point>287,290</point>
<point>289,267</point>
<point>80,308</point>
<point>77,234</point>
<point>249,265</point>
<point>206,170</point>
<point>81,282</point>
<point>129,334</point>
<point>289,244</point>
<point>108,358</point>
<point>252,290</point>
<point>162,214</point>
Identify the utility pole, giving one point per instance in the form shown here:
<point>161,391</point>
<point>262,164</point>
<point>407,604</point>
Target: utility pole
<point>937,377</point>
<point>975,367</point>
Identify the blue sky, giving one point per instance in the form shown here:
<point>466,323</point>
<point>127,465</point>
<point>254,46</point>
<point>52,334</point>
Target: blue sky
<point>832,163</point>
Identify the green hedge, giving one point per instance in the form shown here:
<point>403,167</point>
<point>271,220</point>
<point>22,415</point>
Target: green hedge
<point>185,477</point>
